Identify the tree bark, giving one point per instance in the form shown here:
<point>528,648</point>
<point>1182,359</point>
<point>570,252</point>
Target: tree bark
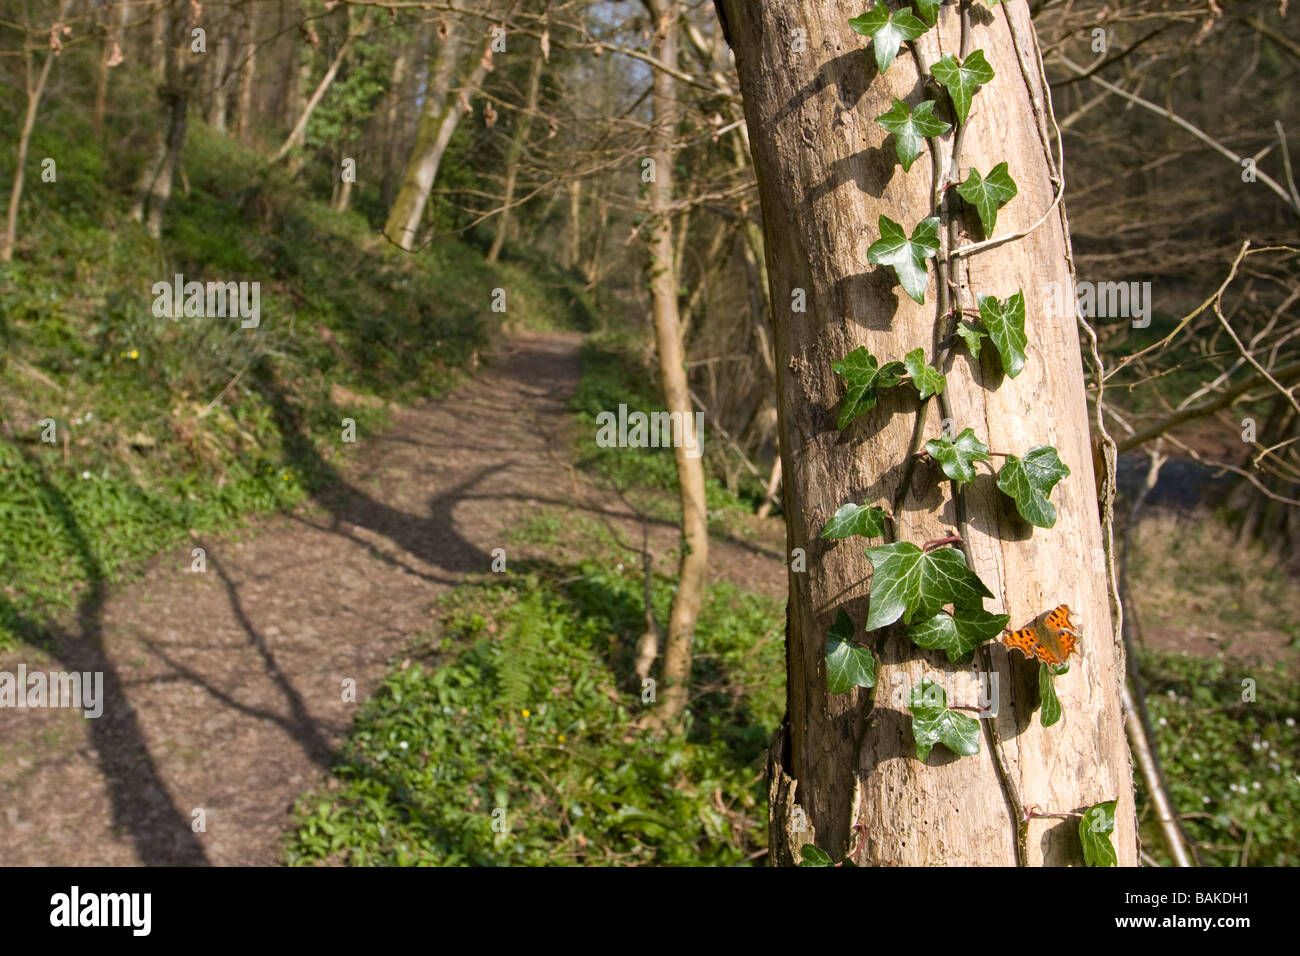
<point>155,186</point>
<point>693,563</point>
<point>35,90</point>
<point>825,172</point>
<point>299,131</point>
<point>444,107</point>
<point>517,143</point>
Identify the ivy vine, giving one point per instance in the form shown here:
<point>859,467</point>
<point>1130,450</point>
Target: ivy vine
<point>932,588</point>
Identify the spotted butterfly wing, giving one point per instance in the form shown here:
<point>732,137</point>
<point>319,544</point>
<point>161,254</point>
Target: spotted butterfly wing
<point>1050,638</point>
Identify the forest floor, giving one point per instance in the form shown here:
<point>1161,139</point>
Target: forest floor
<point>225,688</point>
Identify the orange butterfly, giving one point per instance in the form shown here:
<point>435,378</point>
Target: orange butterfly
<point>1051,637</point>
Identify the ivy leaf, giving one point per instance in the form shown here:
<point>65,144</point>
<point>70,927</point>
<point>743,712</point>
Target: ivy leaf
<point>851,519</point>
<point>1095,828</point>
<point>911,127</point>
<point>973,335</point>
<point>1030,480</point>
<point>864,377</point>
<point>927,379</point>
<point>908,582</point>
<point>887,29</point>
<point>960,632</point>
<point>1005,322</point>
<point>929,10</point>
<point>988,194</point>
<point>907,256</point>
<point>957,458</point>
<point>848,665</point>
<point>961,78</point>
<point>933,722</point>
<point>812,855</point>
<point>1047,695</point>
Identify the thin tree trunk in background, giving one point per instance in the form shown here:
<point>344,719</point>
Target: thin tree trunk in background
<point>35,87</point>
<point>155,187</point>
<point>111,57</point>
<point>694,559</point>
<point>391,138</point>
<point>218,107</point>
<point>296,136</point>
<point>517,143</point>
<point>443,109</point>
<point>247,76</point>
<point>845,775</point>
<point>573,250</point>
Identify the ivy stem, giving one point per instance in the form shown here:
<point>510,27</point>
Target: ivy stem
<point>937,542</point>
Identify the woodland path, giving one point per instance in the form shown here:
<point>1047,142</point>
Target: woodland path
<point>224,688</point>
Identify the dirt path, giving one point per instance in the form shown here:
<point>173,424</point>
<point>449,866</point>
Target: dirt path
<point>224,688</point>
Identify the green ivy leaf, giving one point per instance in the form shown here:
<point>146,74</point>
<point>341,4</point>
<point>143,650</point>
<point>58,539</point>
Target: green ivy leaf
<point>957,458</point>
<point>848,665</point>
<point>864,377</point>
<point>851,519</point>
<point>988,194</point>
<point>972,335</point>
<point>960,632</point>
<point>961,78</point>
<point>1047,696</point>
<point>1030,480</point>
<point>907,256</point>
<point>887,29</point>
<point>927,379</point>
<point>813,855</point>
<point>1095,828</point>
<point>1005,322</point>
<point>908,582</point>
<point>929,10</point>
<point>933,722</point>
<point>911,127</point>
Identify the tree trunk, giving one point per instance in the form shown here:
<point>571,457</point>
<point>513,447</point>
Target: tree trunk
<point>155,186</point>
<point>517,143</point>
<point>35,90</point>
<point>444,106</point>
<point>846,776</point>
<point>299,131</point>
<point>247,76</point>
<point>694,559</point>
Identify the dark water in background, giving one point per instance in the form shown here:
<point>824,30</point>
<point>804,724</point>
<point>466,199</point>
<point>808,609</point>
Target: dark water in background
<point>1184,484</point>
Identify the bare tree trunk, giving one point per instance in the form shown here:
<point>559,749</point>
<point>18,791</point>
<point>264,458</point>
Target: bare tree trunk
<point>391,130</point>
<point>120,11</point>
<point>247,76</point>
<point>219,105</point>
<point>573,249</point>
<point>517,143</point>
<point>155,187</point>
<point>35,90</point>
<point>694,559</point>
<point>845,774</point>
<point>295,137</point>
<point>443,109</point>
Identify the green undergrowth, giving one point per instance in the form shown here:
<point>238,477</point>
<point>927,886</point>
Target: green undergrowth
<point>1231,764</point>
<point>613,374</point>
<point>513,734</point>
<point>165,426</point>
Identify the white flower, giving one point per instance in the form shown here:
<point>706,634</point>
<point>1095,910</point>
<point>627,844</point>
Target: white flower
<point>404,745</point>
<point>89,415</point>
<point>86,475</point>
